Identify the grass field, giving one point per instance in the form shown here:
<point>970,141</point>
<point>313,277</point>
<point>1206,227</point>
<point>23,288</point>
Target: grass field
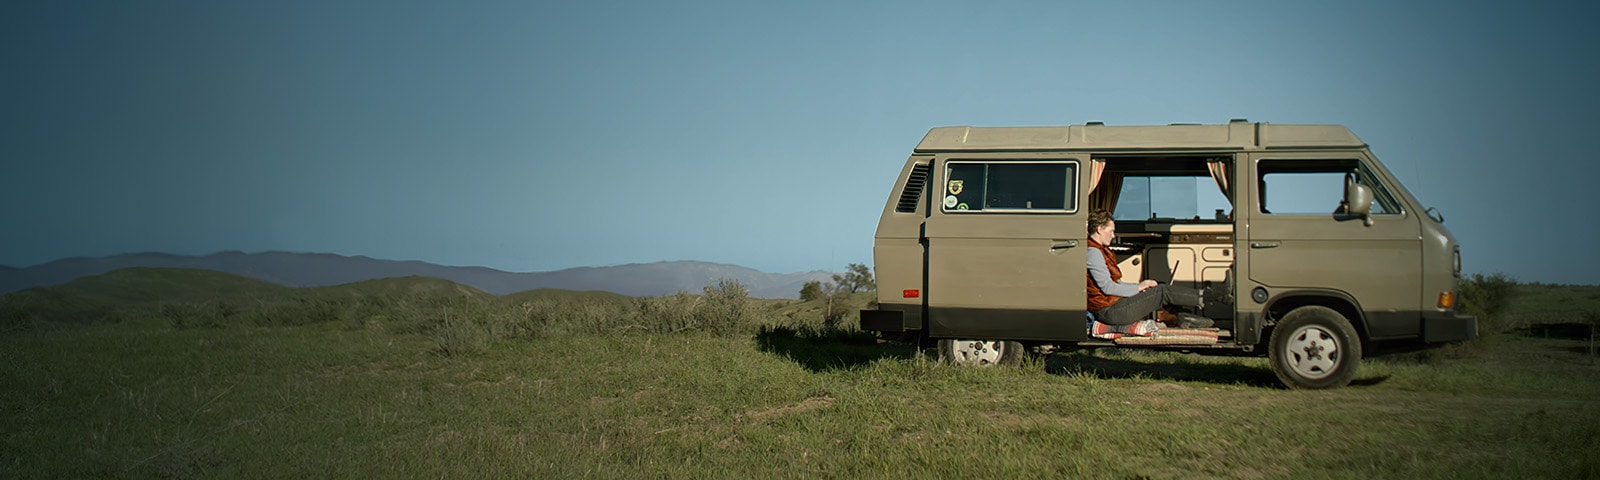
<point>375,390</point>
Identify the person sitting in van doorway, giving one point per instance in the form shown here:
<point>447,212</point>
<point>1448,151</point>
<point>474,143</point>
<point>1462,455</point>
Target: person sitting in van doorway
<point>1115,302</point>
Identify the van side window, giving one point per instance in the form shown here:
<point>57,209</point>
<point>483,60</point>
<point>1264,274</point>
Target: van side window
<point>1147,197</point>
<point>1316,187</point>
<point>1010,186</point>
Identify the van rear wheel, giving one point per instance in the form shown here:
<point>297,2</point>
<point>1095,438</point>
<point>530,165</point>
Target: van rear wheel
<point>980,353</point>
<point>1314,347</point>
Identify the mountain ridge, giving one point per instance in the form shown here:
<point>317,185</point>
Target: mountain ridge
<point>326,269</point>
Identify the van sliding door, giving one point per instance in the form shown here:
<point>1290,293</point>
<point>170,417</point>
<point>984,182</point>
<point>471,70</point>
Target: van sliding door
<point>1006,248</point>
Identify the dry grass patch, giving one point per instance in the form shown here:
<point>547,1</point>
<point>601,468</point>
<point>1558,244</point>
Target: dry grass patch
<point>809,404</point>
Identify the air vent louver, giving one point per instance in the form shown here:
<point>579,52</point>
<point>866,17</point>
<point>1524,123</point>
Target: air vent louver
<point>913,191</point>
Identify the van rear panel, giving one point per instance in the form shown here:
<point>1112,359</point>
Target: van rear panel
<point>898,253</point>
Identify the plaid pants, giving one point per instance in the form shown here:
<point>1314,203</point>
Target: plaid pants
<point>1140,306</point>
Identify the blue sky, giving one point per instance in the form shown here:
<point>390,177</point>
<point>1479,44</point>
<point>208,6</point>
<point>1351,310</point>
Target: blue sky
<point>532,136</point>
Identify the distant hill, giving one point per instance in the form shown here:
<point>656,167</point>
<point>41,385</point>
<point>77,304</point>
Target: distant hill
<point>133,293</point>
<point>92,298</point>
<point>322,269</point>
<point>140,284</point>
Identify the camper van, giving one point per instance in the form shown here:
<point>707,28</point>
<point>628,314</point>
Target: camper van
<point>1305,247</point>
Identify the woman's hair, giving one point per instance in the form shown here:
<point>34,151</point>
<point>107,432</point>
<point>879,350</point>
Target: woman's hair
<point>1097,219</point>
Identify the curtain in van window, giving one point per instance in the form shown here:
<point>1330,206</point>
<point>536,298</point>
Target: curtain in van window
<point>1219,172</point>
<point>1096,168</point>
<point>1103,198</point>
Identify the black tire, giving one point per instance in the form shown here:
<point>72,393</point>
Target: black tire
<point>980,353</point>
<point>1315,347</point>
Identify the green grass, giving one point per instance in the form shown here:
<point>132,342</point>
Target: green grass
<point>144,400</point>
<point>556,294</point>
<point>617,390</point>
<point>1536,305</point>
<point>412,287</point>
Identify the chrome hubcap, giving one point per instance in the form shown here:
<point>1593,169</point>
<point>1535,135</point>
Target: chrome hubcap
<point>977,352</point>
<point>1313,352</point>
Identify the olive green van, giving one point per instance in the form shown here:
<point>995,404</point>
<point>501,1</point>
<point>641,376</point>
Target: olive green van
<point>1309,250</point>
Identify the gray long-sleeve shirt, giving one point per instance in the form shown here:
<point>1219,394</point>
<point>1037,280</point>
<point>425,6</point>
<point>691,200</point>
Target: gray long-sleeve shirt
<point>1102,277</point>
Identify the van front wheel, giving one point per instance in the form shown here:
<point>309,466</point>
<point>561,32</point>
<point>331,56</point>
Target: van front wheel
<point>1314,347</point>
<point>980,353</point>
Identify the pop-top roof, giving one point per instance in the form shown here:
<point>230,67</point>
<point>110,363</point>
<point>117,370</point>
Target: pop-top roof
<point>1237,134</point>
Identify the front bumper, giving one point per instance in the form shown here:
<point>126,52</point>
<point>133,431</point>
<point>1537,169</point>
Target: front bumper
<point>1449,327</point>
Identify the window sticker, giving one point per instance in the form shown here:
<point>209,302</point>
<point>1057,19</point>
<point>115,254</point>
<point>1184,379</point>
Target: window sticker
<point>950,202</point>
<point>956,186</point>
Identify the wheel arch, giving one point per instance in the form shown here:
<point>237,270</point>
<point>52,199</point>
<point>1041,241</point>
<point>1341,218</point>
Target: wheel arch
<point>1285,302</point>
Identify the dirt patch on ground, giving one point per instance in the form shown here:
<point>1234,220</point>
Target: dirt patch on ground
<point>1164,387</point>
<point>809,404</point>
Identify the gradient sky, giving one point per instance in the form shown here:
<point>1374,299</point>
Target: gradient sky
<point>533,136</point>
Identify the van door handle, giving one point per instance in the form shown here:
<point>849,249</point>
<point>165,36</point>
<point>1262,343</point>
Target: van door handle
<point>1267,244</point>
<point>1064,245</point>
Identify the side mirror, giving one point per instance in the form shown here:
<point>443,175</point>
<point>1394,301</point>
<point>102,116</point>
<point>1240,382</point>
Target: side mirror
<point>1359,199</point>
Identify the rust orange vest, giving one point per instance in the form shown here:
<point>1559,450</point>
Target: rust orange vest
<point>1097,298</point>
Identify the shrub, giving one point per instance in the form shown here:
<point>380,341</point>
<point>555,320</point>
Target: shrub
<point>566,316</point>
<point>1487,297</point>
<point>300,311</point>
<point>590,317</point>
<point>839,306</point>
<point>181,315</point>
<point>196,315</point>
<point>525,320</point>
<point>369,311</point>
<point>459,336</point>
<point>812,290</point>
<point>667,314</point>
<point>725,310</point>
